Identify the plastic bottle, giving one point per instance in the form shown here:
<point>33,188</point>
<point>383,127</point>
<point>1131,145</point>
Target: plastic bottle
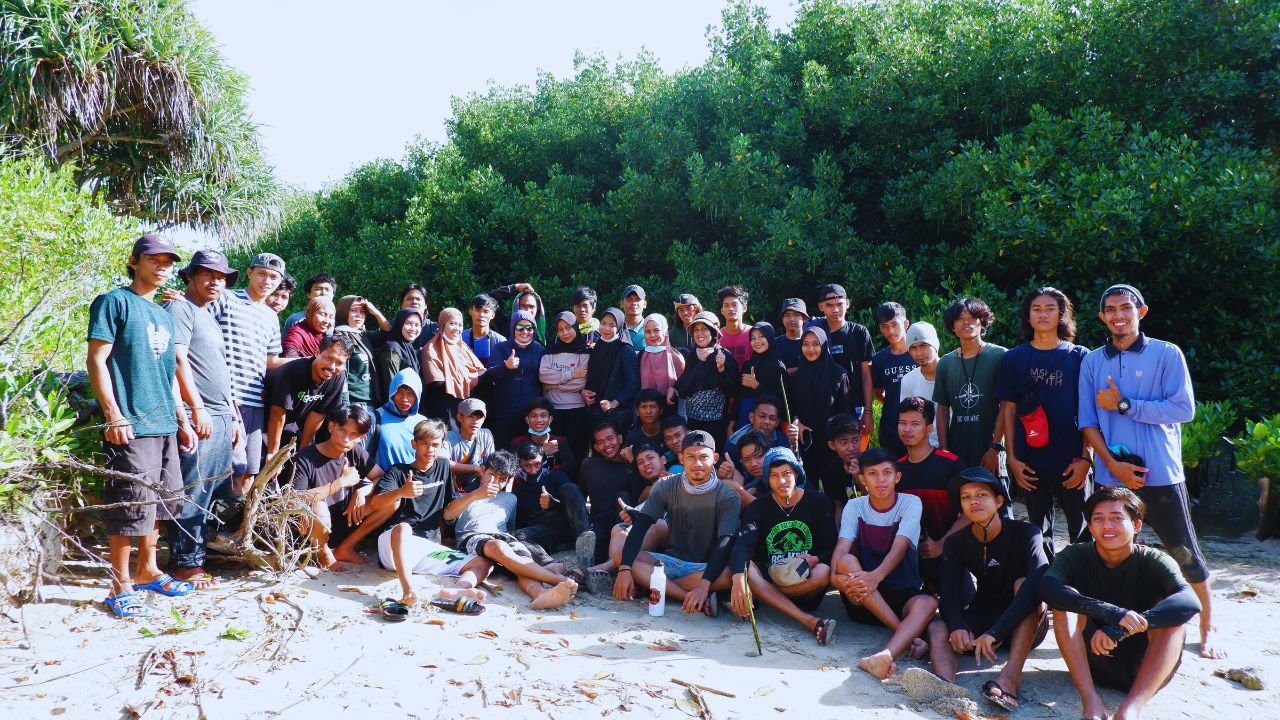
<point>658,590</point>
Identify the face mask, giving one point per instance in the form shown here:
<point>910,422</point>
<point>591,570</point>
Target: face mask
<point>535,433</point>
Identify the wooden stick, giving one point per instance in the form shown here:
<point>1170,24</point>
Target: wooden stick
<point>703,687</point>
<point>77,672</point>
<point>313,693</point>
<point>751,611</point>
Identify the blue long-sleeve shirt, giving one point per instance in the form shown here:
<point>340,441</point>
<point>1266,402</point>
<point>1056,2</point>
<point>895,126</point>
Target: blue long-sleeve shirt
<point>512,389</point>
<point>1153,374</point>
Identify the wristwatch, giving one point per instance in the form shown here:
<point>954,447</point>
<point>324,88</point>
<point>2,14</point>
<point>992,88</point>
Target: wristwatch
<point>997,447</point>
<point>1123,406</point>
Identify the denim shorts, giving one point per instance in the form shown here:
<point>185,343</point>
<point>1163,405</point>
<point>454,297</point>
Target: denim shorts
<point>677,568</point>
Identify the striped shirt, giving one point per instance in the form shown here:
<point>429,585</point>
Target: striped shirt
<point>251,332</point>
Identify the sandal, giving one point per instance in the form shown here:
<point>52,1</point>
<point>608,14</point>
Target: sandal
<point>175,588</point>
<point>992,691</point>
<point>461,606</point>
<point>393,611</point>
<point>825,630</point>
<point>203,576</point>
<point>126,605</point>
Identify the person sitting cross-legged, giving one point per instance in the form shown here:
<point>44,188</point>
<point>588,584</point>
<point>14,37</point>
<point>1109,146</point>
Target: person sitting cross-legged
<point>877,566</point>
<point>784,548</point>
<point>1118,607</point>
<point>484,517</point>
<point>1007,557</point>
<point>551,514</point>
<point>650,467</point>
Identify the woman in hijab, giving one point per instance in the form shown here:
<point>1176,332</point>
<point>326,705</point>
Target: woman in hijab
<point>820,391</point>
<point>303,339</point>
<point>363,386</point>
<point>449,369</point>
<point>660,364</point>
<point>763,374</point>
<point>613,373</point>
<point>513,370</point>
<point>710,379</point>
<point>563,372</point>
<point>399,353</point>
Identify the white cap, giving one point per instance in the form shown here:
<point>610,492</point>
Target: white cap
<point>922,332</point>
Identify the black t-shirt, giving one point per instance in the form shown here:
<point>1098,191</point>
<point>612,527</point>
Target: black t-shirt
<point>602,480</point>
<point>423,512</point>
<point>1017,552</point>
<point>887,370</point>
<point>291,387</point>
<point>637,439</point>
<point>310,469</point>
<point>927,480</point>
<point>769,534</point>
<point>837,483</point>
<point>850,346</point>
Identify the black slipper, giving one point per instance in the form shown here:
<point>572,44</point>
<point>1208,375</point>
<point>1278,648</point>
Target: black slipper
<point>825,630</point>
<point>461,606</point>
<point>989,690</point>
<point>393,611</point>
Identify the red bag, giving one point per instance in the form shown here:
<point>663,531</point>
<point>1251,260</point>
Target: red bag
<point>1031,413</point>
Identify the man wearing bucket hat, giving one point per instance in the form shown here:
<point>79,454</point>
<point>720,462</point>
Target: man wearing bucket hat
<point>789,533</point>
<point>205,382</point>
<point>1007,557</point>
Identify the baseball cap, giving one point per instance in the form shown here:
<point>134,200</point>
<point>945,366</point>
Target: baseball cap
<point>639,291</point>
<point>977,474</point>
<point>154,245</point>
<point>789,572</point>
<point>698,438</point>
<point>1121,290</point>
<point>922,332</point>
<point>687,299</point>
<point>794,304</point>
<point>471,406</point>
<point>270,261</point>
<point>213,260</point>
<point>832,292</point>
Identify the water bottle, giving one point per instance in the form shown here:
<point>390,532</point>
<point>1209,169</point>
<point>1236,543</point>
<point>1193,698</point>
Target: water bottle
<point>658,590</point>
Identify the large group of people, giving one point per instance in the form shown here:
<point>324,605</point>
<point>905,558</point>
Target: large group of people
<point>736,458</point>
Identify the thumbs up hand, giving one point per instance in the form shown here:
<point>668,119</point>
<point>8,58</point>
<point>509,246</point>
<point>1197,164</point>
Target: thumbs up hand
<point>749,380</point>
<point>512,362</point>
<point>545,500</point>
<point>1109,397</point>
<point>719,360</point>
<point>349,475</point>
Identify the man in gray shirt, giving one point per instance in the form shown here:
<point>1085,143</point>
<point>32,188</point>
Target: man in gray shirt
<point>702,521</point>
<point>205,383</point>
<point>483,519</point>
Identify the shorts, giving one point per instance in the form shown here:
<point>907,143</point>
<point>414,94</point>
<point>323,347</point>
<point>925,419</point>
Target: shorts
<point>676,568</point>
<point>339,530</point>
<point>897,600</point>
<point>474,544</point>
<point>246,456</point>
<point>1119,670</point>
<point>157,460</point>
<point>426,556</point>
<point>1169,516</point>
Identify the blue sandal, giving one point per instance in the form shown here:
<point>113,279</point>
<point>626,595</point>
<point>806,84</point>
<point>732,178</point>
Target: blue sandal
<point>126,605</point>
<point>177,588</point>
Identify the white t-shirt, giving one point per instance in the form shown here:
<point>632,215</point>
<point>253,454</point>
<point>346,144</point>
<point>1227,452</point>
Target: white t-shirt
<point>914,384</point>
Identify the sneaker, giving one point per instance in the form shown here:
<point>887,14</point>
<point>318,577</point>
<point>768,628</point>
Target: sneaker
<point>586,549</point>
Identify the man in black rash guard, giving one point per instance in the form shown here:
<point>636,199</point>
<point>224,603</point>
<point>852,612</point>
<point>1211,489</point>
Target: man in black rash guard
<point>790,532</point>
<point>702,520</point>
<point>1118,607</point>
<point>1008,559</point>
<point>607,482</point>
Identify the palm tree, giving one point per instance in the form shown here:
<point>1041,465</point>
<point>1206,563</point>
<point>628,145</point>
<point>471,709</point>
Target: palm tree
<point>137,98</point>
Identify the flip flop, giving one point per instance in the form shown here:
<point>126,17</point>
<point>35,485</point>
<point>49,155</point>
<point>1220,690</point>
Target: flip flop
<point>393,611</point>
<point>177,588</point>
<point>990,689</point>
<point>461,606</point>
<point>825,630</point>
<point>203,577</point>
<point>579,576</point>
<point>126,605</point>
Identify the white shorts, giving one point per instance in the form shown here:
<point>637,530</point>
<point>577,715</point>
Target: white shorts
<point>426,557</point>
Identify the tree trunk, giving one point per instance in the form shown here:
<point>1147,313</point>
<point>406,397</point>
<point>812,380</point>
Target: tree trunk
<point>1269,509</point>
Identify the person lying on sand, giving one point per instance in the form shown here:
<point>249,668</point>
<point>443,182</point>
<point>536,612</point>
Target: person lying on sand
<point>877,565</point>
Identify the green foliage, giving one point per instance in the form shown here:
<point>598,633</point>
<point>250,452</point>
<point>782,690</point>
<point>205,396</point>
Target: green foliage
<point>1202,437</point>
<point>1258,450</point>
<point>137,97</point>
<point>912,151</point>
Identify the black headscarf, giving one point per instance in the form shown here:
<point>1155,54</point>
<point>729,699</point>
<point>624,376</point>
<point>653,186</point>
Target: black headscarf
<point>768,366</point>
<point>579,343</point>
<point>409,355</point>
<point>604,355</point>
<point>815,385</point>
<point>700,375</point>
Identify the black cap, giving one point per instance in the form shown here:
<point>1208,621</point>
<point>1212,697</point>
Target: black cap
<point>832,292</point>
<point>154,245</point>
<point>213,260</point>
<point>793,304</point>
<point>686,299</point>
<point>698,438</point>
<point>976,474</point>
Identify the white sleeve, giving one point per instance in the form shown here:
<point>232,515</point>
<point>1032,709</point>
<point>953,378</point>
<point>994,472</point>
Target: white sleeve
<point>849,520</point>
<point>909,514</point>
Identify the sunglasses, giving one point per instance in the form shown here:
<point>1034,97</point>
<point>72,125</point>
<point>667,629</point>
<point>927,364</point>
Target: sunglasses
<point>524,328</point>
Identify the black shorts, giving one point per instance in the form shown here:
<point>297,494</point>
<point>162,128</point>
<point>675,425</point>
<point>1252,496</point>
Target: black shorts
<point>339,530</point>
<point>157,460</point>
<point>1119,670</point>
<point>979,620</point>
<point>897,600</point>
<point>1169,515</point>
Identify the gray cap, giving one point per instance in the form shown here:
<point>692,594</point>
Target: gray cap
<point>1129,290</point>
<point>269,261</point>
<point>922,332</point>
<point>639,291</point>
<point>471,406</point>
<point>697,438</point>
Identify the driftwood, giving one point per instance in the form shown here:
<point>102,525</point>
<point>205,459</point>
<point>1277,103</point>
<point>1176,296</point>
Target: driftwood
<point>270,537</point>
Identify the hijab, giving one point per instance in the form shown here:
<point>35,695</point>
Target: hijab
<point>539,319</point>
<point>815,384</point>
<point>702,373</point>
<point>577,345</point>
<point>449,362</point>
<point>516,317</point>
<point>404,348</point>
<point>660,365</point>
<point>768,365</point>
<point>343,314</point>
<point>604,355</point>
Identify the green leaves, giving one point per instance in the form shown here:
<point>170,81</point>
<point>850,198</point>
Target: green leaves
<point>234,634</point>
<point>1258,450</point>
<point>1202,437</point>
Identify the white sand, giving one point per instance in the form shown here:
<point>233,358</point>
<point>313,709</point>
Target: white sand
<point>596,645</point>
